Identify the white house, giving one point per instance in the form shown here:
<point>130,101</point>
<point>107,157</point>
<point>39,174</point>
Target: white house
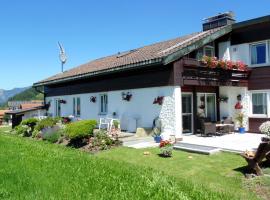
<point>166,80</point>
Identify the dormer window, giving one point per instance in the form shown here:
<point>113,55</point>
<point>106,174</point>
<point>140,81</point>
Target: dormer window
<point>209,51</point>
<point>205,51</point>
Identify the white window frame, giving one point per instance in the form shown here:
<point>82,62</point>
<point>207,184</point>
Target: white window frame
<point>267,101</point>
<point>75,106</point>
<point>105,107</point>
<point>192,121</point>
<point>205,94</point>
<point>211,47</point>
<point>56,104</point>
<point>267,60</point>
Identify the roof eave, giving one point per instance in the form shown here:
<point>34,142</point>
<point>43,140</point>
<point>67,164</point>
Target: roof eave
<point>200,43</point>
<point>251,22</point>
<point>101,72</point>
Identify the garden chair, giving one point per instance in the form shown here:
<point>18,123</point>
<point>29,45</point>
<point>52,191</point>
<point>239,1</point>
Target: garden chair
<point>230,127</point>
<point>254,161</point>
<point>207,128</point>
<point>107,122</point>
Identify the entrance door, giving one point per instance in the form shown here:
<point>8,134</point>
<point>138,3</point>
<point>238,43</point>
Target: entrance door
<point>187,117</point>
<point>207,106</point>
<point>57,108</point>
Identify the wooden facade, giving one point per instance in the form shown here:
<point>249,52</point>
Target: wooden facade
<point>152,76</point>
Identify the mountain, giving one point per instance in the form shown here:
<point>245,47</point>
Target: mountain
<point>6,94</point>
<point>27,95</point>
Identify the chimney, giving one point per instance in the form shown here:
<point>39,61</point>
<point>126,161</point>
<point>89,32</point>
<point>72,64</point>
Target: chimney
<point>219,20</point>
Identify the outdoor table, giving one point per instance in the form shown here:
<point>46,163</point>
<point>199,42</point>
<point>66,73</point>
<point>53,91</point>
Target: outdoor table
<point>221,126</point>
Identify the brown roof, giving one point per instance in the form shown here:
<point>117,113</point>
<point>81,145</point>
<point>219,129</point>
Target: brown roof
<point>20,111</point>
<point>2,112</point>
<point>141,56</point>
<point>30,105</point>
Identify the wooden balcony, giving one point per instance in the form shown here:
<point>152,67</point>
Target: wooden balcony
<point>195,73</point>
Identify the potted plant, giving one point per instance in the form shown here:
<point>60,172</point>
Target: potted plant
<point>240,118</point>
<point>265,129</point>
<point>157,134</point>
<point>166,148</point>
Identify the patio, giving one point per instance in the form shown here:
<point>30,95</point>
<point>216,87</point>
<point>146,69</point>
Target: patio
<point>236,142</point>
<point>231,142</point>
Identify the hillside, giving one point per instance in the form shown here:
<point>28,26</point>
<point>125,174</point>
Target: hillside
<point>6,94</point>
<point>27,95</point>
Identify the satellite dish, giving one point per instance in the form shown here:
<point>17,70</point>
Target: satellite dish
<point>62,55</point>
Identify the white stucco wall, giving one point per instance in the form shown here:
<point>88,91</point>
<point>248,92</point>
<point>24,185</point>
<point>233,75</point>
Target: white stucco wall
<point>34,113</point>
<point>240,52</point>
<point>140,107</point>
<point>228,109</point>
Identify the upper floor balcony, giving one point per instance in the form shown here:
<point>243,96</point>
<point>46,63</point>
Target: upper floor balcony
<point>212,72</point>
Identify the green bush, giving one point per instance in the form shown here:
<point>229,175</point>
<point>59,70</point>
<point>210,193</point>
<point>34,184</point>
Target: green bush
<point>116,123</point>
<point>80,129</point>
<point>23,130</point>
<point>30,122</point>
<point>45,123</point>
<point>52,137</point>
<point>102,140</point>
<point>36,133</point>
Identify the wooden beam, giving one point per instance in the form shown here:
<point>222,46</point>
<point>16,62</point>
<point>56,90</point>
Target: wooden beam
<point>178,69</point>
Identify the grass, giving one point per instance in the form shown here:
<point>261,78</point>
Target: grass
<point>31,169</point>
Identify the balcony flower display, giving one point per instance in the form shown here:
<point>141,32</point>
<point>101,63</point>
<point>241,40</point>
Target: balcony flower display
<point>213,62</point>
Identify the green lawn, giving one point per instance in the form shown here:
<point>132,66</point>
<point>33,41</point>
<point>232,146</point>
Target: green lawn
<point>31,169</point>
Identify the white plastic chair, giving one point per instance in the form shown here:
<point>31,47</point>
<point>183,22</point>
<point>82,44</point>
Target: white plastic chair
<point>107,122</point>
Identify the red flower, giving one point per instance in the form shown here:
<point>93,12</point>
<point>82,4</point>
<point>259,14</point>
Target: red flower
<point>164,143</point>
<point>241,66</point>
<point>238,106</point>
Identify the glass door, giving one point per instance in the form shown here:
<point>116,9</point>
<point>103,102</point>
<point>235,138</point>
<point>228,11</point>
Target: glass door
<point>207,106</point>
<point>187,116</point>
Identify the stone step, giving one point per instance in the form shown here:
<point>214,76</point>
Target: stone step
<point>196,148</point>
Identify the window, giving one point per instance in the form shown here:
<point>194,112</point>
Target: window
<point>258,53</point>
<point>76,106</point>
<point>57,108</point>
<point>209,51</point>
<point>259,103</point>
<point>103,104</point>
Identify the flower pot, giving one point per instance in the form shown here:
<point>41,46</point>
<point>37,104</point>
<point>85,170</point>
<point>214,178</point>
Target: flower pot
<point>157,138</point>
<point>241,130</point>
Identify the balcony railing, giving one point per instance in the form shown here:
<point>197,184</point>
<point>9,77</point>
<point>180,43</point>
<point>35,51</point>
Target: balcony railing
<point>196,73</point>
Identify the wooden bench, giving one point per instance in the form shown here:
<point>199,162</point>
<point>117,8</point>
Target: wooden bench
<point>262,153</point>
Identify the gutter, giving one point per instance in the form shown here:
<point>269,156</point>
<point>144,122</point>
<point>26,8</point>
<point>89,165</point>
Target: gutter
<point>101,72</point>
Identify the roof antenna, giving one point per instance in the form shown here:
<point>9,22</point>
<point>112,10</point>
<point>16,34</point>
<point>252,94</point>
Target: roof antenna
<point>62,56</point>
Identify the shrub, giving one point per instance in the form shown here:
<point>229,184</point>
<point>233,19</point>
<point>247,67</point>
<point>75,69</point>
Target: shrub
<point>265,128</point>
<point>80,129</point>
<point>102,140</point>
<point>23,130</point>
<point>36,133</point>
<point>30,122</point>
<point>116,124</point>
<point>166,148</point>
<point>47,122</point>
<point>52,137</point>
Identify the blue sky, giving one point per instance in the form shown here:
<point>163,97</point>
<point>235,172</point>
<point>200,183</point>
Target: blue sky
<point>90,29</point>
